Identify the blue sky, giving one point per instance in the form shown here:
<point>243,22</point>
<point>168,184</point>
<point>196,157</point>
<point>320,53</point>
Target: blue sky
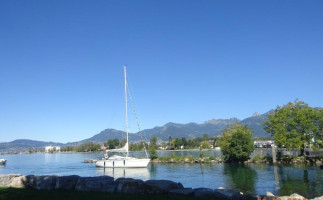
<point>61,62</point>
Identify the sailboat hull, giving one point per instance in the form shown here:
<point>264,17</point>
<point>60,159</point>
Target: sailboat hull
<point>123,162</point>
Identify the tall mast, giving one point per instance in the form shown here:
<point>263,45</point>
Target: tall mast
<point>125,91</point>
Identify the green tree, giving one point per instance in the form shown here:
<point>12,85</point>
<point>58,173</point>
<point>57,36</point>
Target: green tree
<point>205,137</point>
<point>153,142</point>
<point>177,143</point>
<point>88,146</point>
<point>184,141</point>
<point>205,145</point>
<point>170,139</point>
<point>295,125</point>
<point>236,143</point>
<point>163,144</point>
<point>112,144</point>
<point>319,136</point>
<point>153,154</point>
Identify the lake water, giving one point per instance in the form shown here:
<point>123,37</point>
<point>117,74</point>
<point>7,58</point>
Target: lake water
<point>252,178</point>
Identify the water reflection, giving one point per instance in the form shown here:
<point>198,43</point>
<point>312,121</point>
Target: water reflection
<point>258,178</point>
<point>241,177</point>
<point>302,181</point>
<point>139,173</point>
<point>276,177</point>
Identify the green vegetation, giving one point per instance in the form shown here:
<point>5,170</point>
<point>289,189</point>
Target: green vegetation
<point>186,159</point>
<point>236,143</point>
<point>184,143</point>
<point>153,154</point>
<point>19,194</point>
<point>112,143</point>
<point>296,125</point>
<point>86,147</point>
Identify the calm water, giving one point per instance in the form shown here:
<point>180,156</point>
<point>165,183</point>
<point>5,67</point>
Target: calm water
<point>253,178</point>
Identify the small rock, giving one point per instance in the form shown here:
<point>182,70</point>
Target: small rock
<point>269,194</point>
<point>90,161</point>
<point>295,195</point>
<point>318,198</point>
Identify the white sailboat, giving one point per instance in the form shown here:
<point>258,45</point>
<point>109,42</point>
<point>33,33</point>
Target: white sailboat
<point>117,161</point>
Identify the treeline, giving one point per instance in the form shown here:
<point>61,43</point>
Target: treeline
<point>204,142</point>
<point>85,147</point>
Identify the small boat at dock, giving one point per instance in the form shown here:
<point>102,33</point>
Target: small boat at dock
<point>3,161</point>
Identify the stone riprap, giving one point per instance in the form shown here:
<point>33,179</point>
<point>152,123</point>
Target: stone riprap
<point>128,186</point>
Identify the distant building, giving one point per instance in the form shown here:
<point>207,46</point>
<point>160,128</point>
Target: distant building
<point>52,149</point>
<point>264,143</point>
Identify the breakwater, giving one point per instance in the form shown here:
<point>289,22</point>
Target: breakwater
<point>128,186</point>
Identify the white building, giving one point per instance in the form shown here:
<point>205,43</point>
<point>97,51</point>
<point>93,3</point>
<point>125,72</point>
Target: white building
<point>52,149</point>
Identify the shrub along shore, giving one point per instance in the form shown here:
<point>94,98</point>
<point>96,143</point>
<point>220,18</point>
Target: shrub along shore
<point>15,186</point>
<point>210,159</point>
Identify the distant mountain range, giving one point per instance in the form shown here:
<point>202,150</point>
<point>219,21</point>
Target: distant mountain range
<point>212,127</point>
<point>24,145</point>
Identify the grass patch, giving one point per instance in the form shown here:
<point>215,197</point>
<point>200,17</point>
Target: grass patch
<point>33,194</point>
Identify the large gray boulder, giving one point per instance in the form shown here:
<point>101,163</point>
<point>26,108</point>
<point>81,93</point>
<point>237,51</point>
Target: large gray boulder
<point>228,194</point>
<point>18,182</point>
<point>250,197</point>
<point>40,182</point>
<point>182,192</point>
<point>5,179</point>
<point>66,182</point>
<point>100,184</point>
<point>203,192</point>
<point>128,185</point>
<point>159,186</point>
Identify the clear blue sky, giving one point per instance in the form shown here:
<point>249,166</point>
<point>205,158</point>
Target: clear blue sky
<point>61,75</point>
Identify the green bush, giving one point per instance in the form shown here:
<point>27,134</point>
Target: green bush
<point>153,154</point>
<point>236,143</point>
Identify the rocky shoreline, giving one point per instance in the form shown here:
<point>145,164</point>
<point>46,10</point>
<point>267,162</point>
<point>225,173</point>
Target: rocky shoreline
<point>128,186</point>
